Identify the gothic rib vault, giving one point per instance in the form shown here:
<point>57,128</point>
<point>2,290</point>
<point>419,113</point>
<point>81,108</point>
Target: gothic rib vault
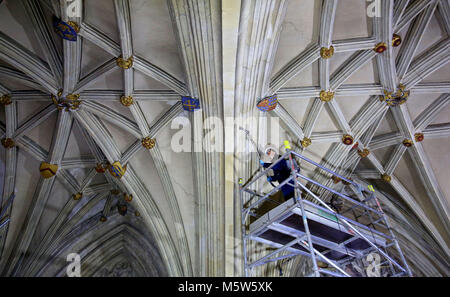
<point>131,63</point>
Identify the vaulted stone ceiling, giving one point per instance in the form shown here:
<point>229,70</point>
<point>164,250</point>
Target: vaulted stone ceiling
<point>183,218</point>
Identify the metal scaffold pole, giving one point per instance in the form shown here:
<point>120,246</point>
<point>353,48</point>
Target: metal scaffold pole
<point>304,218</point>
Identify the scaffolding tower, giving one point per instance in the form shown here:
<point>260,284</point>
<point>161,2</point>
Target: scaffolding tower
<point>354,240</point>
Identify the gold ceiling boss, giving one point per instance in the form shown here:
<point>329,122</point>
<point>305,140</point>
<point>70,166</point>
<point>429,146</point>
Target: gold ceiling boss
<point>125,64</point>
<point>327,53</point>
<point>48,170</point>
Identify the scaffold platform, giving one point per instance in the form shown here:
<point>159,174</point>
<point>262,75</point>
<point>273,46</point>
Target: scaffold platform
<point>307,225</point>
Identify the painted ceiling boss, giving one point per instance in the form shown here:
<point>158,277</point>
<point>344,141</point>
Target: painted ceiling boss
<point>397,98</point>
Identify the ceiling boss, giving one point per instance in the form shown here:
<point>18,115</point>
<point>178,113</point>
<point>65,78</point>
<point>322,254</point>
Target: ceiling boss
<point>397,98</point>
<point>69,102</point>
<point>66,30</point>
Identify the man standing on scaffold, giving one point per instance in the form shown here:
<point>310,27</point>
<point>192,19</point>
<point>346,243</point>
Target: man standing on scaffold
<point>279,173</point>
